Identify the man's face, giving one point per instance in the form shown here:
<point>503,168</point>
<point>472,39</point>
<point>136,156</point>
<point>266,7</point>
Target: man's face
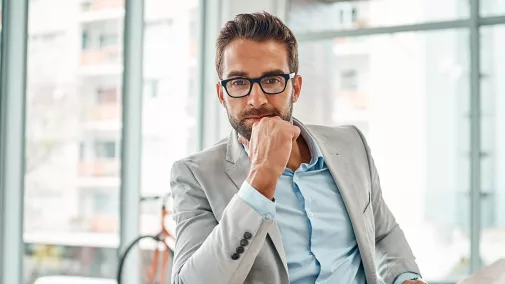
<point>252,59</point>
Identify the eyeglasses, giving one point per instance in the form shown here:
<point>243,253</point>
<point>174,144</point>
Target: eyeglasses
<point>271,84</point>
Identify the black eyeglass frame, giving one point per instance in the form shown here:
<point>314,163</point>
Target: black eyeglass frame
<point>287,77</point>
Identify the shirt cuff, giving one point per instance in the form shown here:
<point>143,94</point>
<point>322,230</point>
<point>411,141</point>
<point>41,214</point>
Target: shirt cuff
<point>264,206</point>
<point>407,276</point>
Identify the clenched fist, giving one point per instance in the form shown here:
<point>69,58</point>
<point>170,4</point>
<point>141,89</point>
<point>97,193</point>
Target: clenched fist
<point>269,150</point>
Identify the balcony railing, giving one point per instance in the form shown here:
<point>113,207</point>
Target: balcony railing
<point>110,55</point>
<point>99,168</point>
<point>103,112</point>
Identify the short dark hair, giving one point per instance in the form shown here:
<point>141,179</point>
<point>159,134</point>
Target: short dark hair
<point>260,26</point>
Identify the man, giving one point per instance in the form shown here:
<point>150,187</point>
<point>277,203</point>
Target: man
<point>280,202</point>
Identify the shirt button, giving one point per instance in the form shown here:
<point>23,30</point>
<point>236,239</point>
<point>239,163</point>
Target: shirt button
<point>310,214</point>
<point>268,217</point>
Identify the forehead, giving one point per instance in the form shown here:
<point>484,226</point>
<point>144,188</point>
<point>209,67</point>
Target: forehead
<point>254,58</point>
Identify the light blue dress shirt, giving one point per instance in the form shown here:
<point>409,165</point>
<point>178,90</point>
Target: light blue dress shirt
<point>315,228</point>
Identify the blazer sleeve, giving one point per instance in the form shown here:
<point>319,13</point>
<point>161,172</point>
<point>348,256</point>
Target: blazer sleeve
<point>393,253</point>
<point>206,248</point>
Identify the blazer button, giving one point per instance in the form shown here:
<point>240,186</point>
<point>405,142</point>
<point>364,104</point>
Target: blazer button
<point>247,235</point>
<point>235,256</point>
<point>240,249</point>
<point>244,242</point>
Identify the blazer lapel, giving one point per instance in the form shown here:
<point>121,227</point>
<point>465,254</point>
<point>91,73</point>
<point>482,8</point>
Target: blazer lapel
<point>336,162</point>
<point>237,168</point>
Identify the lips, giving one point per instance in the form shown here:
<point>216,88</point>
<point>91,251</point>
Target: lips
<point>257,117</point>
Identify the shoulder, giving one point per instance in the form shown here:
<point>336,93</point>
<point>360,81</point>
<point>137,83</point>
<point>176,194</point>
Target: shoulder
<point>210,158</point>
<point>344,135</point>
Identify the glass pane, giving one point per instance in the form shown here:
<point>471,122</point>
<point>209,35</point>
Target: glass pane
<point>327,15</point>
<point>170,103</point>
<point>492,7</point>
<point>409,94</point>
<point>493,139</point>
<point>73,126</point>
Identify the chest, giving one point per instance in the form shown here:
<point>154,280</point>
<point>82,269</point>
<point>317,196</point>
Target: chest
<point>311,212</point>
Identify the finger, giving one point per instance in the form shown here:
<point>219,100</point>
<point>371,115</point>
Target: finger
<point>244,141</point>
<point>296,132</point>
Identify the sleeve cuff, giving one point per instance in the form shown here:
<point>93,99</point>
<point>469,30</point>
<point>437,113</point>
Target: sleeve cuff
<point>407,276</point>
<point>264,206</point>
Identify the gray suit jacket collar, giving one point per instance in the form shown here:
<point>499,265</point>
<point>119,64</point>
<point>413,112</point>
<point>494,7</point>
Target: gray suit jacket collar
<point>237,168</point>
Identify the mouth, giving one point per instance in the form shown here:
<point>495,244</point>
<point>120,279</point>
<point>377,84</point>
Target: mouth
<point>256,118</point>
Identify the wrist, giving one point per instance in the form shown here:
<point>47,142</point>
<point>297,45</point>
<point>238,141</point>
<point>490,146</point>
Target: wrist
<point>263,180</point>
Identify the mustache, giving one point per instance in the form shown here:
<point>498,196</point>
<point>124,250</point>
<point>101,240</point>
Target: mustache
<point>260,111</point>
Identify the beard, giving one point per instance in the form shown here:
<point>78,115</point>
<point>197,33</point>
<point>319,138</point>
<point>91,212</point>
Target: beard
<point>238,122</point>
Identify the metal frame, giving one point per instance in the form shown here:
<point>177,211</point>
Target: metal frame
<point>473,24</point>
<point>131,139</point>
<point>201,73</point>
<point>431,26</point>
<point>12,139</point>
<point>475,137</point>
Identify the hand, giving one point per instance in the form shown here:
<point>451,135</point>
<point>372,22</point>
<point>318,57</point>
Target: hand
<point>269,149</point>
<point>413,282</point>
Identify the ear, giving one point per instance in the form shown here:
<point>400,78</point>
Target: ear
<point>297,87</point>
<point>219,92</point>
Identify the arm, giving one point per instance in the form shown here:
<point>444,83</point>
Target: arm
<point>394,256</point>
<point>204,246</point>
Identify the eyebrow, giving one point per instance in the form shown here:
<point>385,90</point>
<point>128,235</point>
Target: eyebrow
<point>244,74</point>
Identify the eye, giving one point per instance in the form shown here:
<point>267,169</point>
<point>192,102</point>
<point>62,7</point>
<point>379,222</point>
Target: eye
<point>272,80</point>
<point>239,82</point>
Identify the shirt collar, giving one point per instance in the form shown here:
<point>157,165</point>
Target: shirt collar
<point>317,158</point>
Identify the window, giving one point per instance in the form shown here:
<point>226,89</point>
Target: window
<point>169,40</point>
<point>313,15</point>
<point>100,33</point>
<point>85,40</point>
<point>407,93</point>
<point>354,15</point>
<point>493,139</point>
<point>105,149</point>
<point>74,182</point>
<point>108,39</point>
<point>349,80</point>
<point>492,7</point>
<point>106,96</point>
<point>151,89</point>
<point>86,5</point>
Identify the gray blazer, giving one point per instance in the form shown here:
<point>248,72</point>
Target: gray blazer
<point>211,219</point>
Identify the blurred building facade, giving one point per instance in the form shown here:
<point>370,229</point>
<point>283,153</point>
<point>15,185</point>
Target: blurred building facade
<point>408,92</point>
<point>74,126</point>
<point>415,85</point>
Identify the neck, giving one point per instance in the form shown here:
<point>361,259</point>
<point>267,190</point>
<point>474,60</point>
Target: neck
<point>300,153</point>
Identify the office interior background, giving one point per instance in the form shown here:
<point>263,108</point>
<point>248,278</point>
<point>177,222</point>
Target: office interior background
<point>102,96</point>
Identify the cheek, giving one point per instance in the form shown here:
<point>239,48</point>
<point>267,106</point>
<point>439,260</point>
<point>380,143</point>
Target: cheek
<point>281,102</point>
<point>233,106</point>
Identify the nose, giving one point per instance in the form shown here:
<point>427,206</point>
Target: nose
<point>256,98</point>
